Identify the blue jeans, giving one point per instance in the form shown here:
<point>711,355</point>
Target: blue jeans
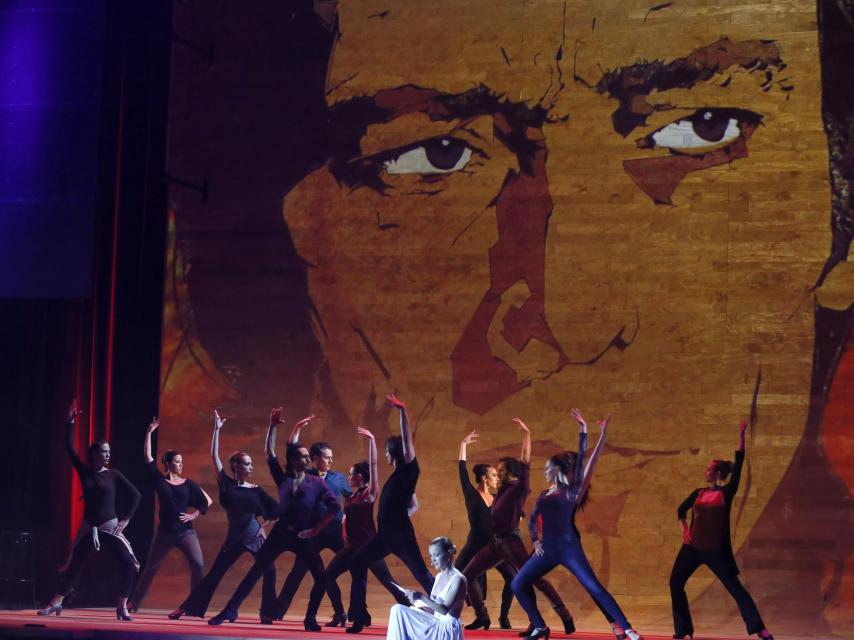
<point>568,552</point>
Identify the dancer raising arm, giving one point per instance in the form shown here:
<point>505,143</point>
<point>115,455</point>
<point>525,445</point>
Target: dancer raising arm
<point>300,499</point>
<point>176,496</point>
<point>507,546</point>
<point>707,541</point>
<point>395,533</point>
<point>560,544</point>
<point>244,502</point>
<point>101,527</point>
<point>359,525</point>
<point>437,616</point>
<point>478,500</point>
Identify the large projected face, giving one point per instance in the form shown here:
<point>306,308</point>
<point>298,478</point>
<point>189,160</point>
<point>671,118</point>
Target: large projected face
<point>534,206</point>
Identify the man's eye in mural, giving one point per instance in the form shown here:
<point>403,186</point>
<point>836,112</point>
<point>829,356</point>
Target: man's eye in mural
<point>704,131</point>
<point>435,156</point>
<point>707,138</point>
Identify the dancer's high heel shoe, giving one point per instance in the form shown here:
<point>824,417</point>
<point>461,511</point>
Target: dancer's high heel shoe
<point>528,631</point>
<point>539,634</point>
<point>223,616</point>
<point>359,623</point>
<point>504,622</point>
<point>122,614</point>
<point>479,623</point>
<point>176,615</point>
<point>51,608</point>
<point>568,625</point>
<point>338,620</point>
<point>311,625</point>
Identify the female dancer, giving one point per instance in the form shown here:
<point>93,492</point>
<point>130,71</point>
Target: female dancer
<point>175,529</point>
<point>101,527</point>
<point>244,503</point>
<point>560,544</point>
<point>359,528</point>
<point>300,499</point>
<point>394,528</point>
<point>437,616</point>
<point>478,504</point>
<point>707,541</point>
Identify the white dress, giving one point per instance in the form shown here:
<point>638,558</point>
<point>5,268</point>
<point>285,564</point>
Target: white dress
<point>409,623</point>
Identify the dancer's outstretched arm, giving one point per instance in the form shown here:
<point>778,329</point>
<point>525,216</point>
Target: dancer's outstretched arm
<point>218,422</point>
<point>373,483</point>
<point>270,440</point>
<point>405,430</point>
<point>594,457</point>
<point>298,427</point>
<point>525,455</point>
<point>146,448</point>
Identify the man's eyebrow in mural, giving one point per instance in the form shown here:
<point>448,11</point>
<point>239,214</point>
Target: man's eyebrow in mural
<point>349,121</point>
<point>707,138</point>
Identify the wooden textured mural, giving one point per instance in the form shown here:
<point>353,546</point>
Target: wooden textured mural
<point>502,208</point>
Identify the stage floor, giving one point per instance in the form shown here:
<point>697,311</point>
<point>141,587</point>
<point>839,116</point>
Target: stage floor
<point>101,624</point>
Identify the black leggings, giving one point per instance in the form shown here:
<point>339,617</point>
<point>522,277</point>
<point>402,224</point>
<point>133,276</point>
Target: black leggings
<point>329,538</point>
<point>85,548</point>
<point>197,602</point>
<point>687,562</point>
<point>342,562</point>
<point>188,542</point>
<point>280,540</point>
<point>400,542</point>
<point>507,572</point>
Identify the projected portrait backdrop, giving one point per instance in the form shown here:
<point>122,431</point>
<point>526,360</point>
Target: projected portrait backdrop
<point>510,209</point>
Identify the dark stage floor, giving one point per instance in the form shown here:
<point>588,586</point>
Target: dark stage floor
<point>102,624</point>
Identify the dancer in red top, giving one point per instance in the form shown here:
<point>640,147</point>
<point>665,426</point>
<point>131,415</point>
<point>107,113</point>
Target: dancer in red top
<point>707,541</point>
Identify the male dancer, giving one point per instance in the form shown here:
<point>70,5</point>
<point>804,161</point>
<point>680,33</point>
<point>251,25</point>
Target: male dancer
<point>301,497</point>
<point>514,476</point>
<point>331,537</point>
<point>395,533</point>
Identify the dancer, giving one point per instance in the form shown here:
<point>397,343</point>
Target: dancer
<point>330,538</point>
<point>359,527</point>
<point>301,497</point>
<point>560,543</point>
<point>478,503</point>
<point>395,533</point>
<point>176,496</point>
<point>437,616</point>
<point>707,541</point>
<point>102,527</point>
<point>244,502</point>
<point>507,546</point>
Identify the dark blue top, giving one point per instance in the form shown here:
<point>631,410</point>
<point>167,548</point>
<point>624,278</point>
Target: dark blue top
<point>301,508</point>
<point>338,485</point>
<point>557,509</point>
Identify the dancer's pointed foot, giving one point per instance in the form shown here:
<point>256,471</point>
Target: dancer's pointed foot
<point>176,615</point>
<point>338,620</point>
<point>539,633</point>
<point>222,616</point>
<point>50,609</point>
<point>479,623</point>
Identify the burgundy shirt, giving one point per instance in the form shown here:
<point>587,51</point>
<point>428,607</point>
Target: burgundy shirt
<point>509,503</point>
<point>359,518</point>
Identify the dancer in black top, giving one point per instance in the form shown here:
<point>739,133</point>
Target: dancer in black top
<point>478,501</point>
<point>176,496</point>
<point>102,526</point>
<point>707,541</point>
<point>300,499</point>
<point>359,527</point>
<point>395,533</point>
<point>244,502</point>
